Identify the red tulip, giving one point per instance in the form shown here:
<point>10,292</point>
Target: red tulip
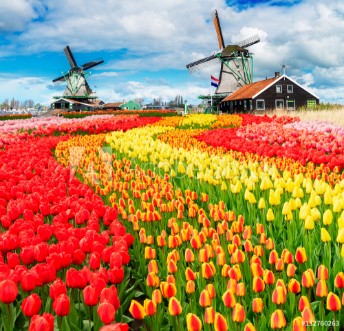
<point>57,288</point>
<point>238,313</point>
<point>31,305</point>
<point>149,307</point>
<point>90,296</point>
<point>115,327</point>
<point>28,281</point>
<point>307,315</point>
<point>174,307</point>
<point>204,298</point>
<point>300,255</point>
<point>321,290</point>
<point>193,323</point>
<point>42,323</point>
<point>308,278</point>
<point>8,291</point>
<point>258,285</point>
<point>333,302</point>
<point>228,299</point>
<point>220,323</point>
<point>106,312</point>
<point>303,303</point>
<point>277,320</point>
<point>110,294</point>
<point>257,305</point>
<point>209,315</point>
<point>322,272</point>
<point>299,324</point>
<point>339,280</point>
<point>61,305</point>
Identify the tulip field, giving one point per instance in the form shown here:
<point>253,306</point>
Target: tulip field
<point>196,222</point>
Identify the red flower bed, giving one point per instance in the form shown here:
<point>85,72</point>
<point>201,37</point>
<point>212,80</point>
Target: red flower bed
<point>56,236</point>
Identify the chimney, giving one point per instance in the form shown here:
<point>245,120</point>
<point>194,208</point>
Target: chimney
<point>277,74</point>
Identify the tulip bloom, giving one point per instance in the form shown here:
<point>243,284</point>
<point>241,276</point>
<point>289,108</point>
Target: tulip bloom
<point>324,235</point>
<point>209,315</point>
<point>220,323</point>
<point>228,299</point>
<point>193,323</point>
<point>44,322</point>
<point>321,290</point>
<point>257,305</point>
<point>308,278</point>
<point>238,313</point>
<point>291,269</point>
<point>106,312</point>
<point>249,327</point>
<point>31,305</point>
<point>115,327</point>
<point>258,285</point>
<point>333,302</point>
<point>168,290</point>
<point>149,307</point>
<point>90,296</point>
<point>300,255</point>
<point>279,296</point>
<point>307,315</point>
<point>299,324</point>
<point>277,320</point>
<point>204,298</point>
<point>339,280</point>
<point>303,303</point>
<point>8,291</point>
<point>294,286</point>
<point>174,307</point>
<point>61,305</point>
<point>190,287</point>
<point>156,296</point>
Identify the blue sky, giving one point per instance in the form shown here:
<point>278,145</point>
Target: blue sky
<point>146,45</point>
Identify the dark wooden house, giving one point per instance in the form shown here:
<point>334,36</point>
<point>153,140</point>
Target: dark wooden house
<point>279,92</point>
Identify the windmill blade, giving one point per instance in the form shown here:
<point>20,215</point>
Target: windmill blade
<point>59,79</point>
<point>70,57</point>
<point>203,63</point>
<point>249,41</point>
<point>91,64</point>
<point>218,29</point>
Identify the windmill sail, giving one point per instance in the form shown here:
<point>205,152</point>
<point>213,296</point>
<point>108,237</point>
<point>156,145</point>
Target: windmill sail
<point>70,57</point>
<point>218,30</point>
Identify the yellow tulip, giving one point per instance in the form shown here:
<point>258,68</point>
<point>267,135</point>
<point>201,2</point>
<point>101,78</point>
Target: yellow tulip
<point>261,203</point>
<point>340,237</point>
<point>327,217</point>
<point>309,223</point>
<point>324,235</point>
<point>270,215</point>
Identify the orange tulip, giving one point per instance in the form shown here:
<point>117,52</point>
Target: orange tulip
<point>172,267</point>
<point>209,315</point>
<point>303,303</point>
<point>150,307</point>
<point>168,290</point>
<point>193,323</point>
<point>170,279</point>
<point>279,265</point>
<point>294,286</point>
<point>307,315</point>
<point>174,306</point>
<point>204,298</point>
<point>153,266</point>
<point>339,280</point>
<point>322,272</point>
<point>240,290</point>
<point>152,280</point>
<point>249,327</point>
<point>257,305</point>
<point>189,255</point>
<point>300,255</point>
<point>156,296</point>
<point>256,269</point>
<point>333,302</point>
<point>321,290</point>
<point>189,274</point>
<point>258,285</point>
<point>220,323</point>
<point>258,250</point>
<point>235,273</point>
<point>278,296</point>
<point>137,310</point>
<point>208,270</point>
<point>232,285</point>
<point>291,268</point>
<point>273,257</point>
<point>269,277</point>
<point>238,313</point>
<point>277,320</point>
<point>211,289</point>
<point>190,287</point>
<point>299,324</point>
<point>308,279</point>
<point>228,299</point>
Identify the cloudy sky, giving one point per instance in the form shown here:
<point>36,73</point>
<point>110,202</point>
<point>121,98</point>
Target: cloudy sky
<point>146,44</point>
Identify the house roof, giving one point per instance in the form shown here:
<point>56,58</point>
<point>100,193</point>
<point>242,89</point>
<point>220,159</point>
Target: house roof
<point>251,91</point>
<point>112,105</point>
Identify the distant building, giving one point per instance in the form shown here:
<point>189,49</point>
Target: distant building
<point>279,92</point>
<point>130,105</point>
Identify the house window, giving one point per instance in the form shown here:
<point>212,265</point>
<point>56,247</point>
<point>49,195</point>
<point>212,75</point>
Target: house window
<point>231,106</point>
<point>290,104</point>
<point>251,105</point>
<point>289,88</point>
<point>245,105</point>
<point>279,103</point>
<point>278,88</point>
<point>260,104</point>
<point>311,103</point>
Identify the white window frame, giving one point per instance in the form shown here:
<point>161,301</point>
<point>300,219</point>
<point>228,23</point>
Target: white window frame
<point>288,108</point>
<point>260,100</point>
<point>277,100</point>
<point>291,87</point>
<point>278,88</point>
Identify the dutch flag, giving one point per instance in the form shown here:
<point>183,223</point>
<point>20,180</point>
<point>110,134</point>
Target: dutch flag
<point>214,81</point>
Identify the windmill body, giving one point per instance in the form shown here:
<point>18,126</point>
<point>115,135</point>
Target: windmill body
<point>235,60</point>
<point>77,89</point>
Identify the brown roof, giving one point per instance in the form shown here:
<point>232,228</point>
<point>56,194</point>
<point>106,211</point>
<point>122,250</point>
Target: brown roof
<point>250,90</point>
<point>112,104</point>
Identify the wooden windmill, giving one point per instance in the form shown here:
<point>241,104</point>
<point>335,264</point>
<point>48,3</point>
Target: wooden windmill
<point>236,61</point>
<point>77,87</point>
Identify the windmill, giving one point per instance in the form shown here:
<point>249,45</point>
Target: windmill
<point>77,87</point>
<point>236,61</point>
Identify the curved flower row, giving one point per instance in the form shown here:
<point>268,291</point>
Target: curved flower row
<point>206,264</point>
